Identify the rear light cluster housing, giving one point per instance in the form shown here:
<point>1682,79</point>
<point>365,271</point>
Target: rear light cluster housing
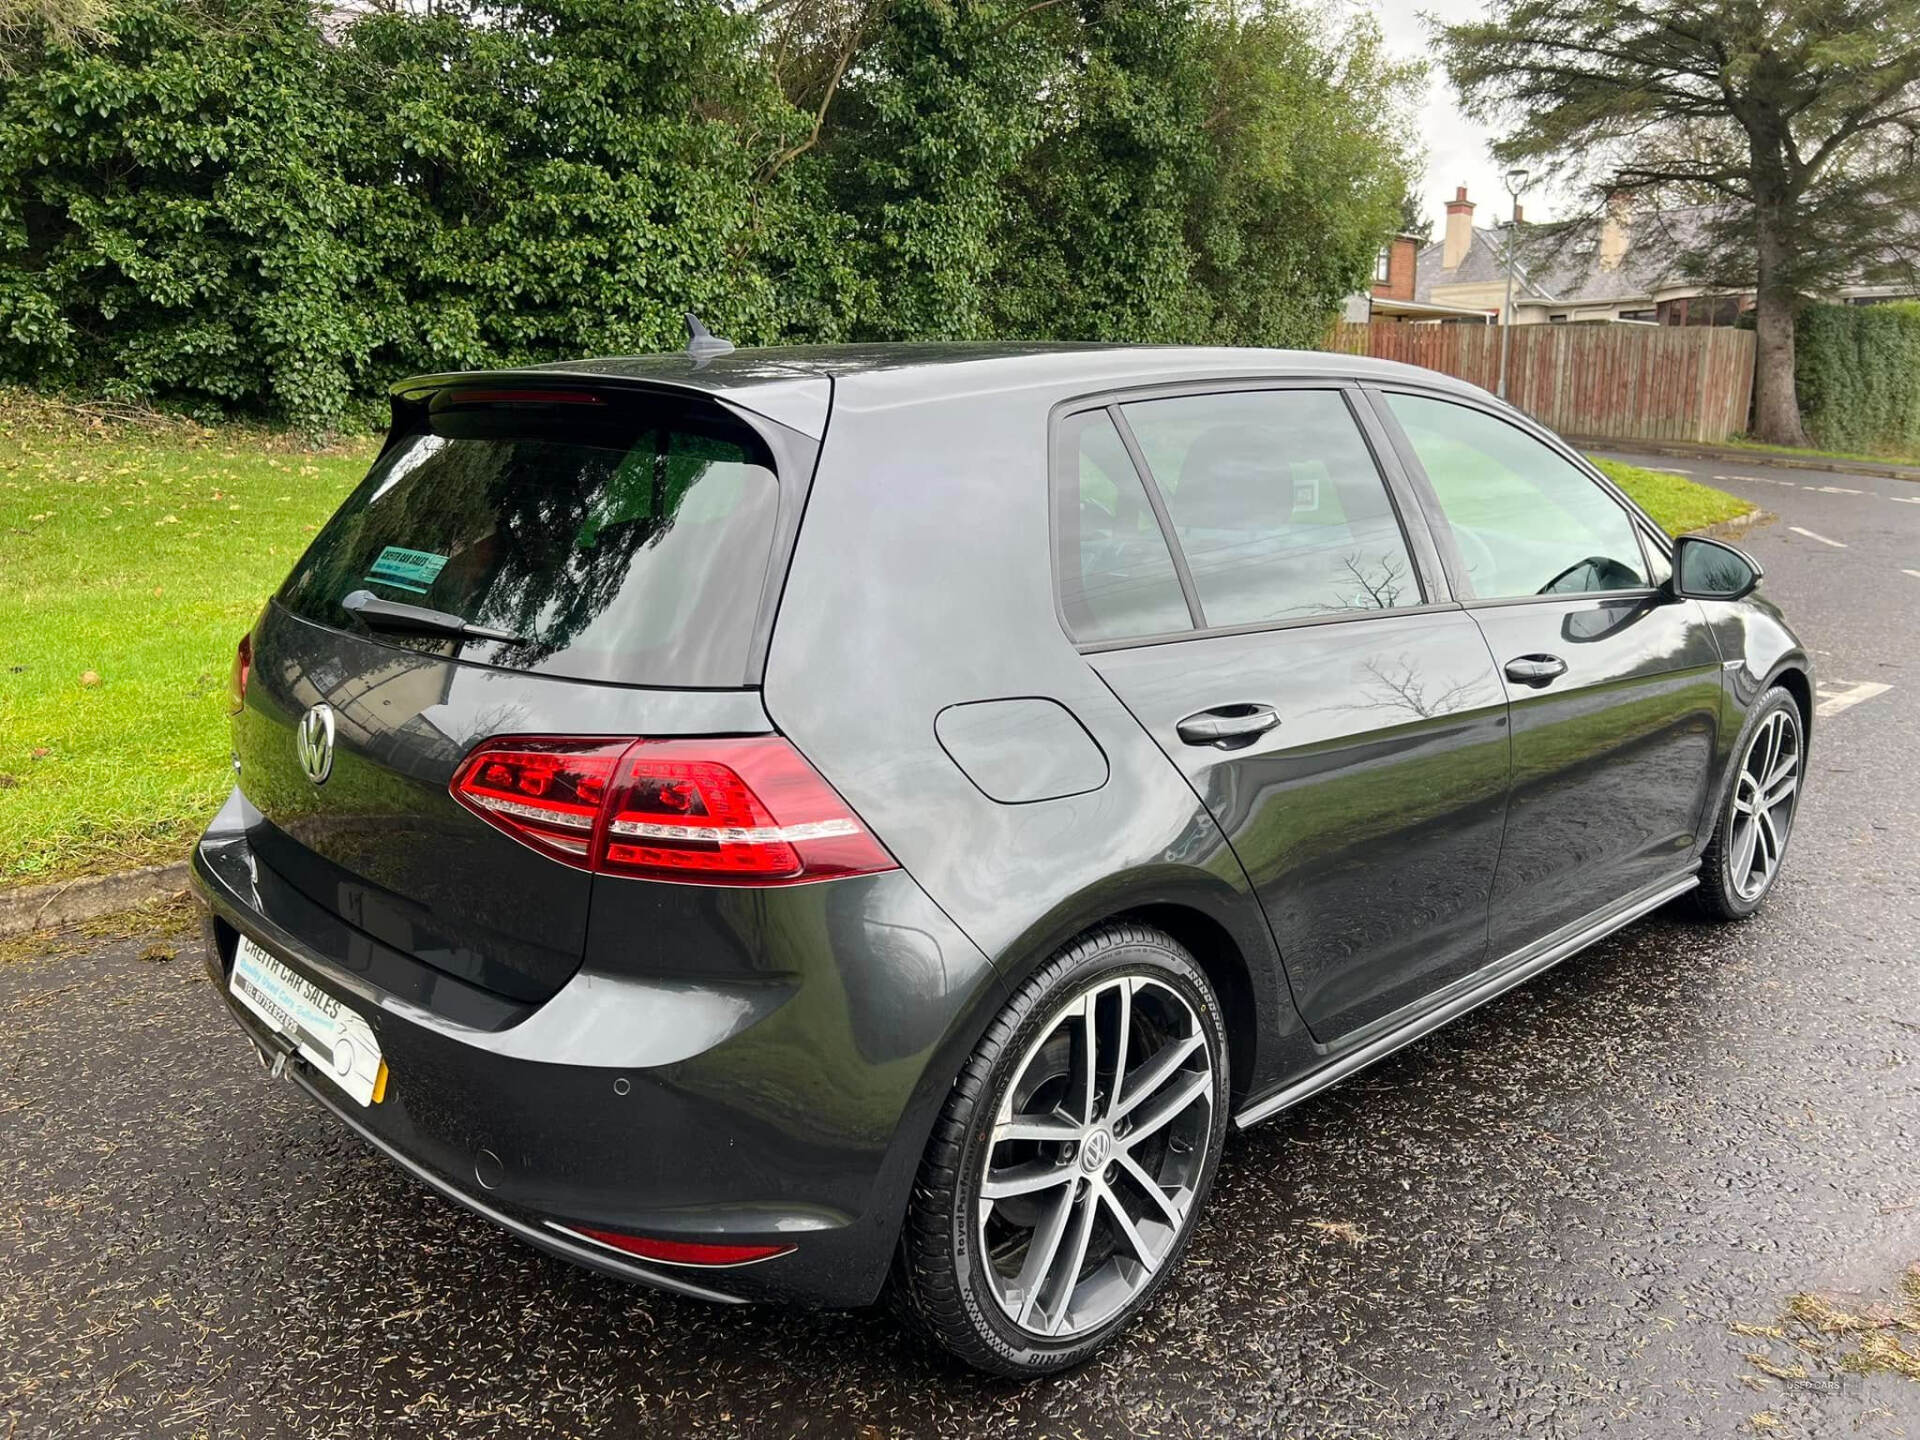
<point>734,811</point>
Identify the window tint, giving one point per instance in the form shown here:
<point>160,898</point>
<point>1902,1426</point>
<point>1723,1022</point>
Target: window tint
<point>1527,522</point>
<point>1277,505</point>
<point>1117,579</point>
<point>618,541</point>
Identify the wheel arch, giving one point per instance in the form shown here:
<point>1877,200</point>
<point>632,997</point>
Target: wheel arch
<point>1219,923</point>
<point>1792,676</point>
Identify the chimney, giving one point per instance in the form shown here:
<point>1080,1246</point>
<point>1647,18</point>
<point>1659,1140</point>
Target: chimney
<point>1616,231</point>
<point>1459,230</point>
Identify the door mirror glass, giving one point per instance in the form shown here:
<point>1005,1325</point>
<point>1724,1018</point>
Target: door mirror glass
<point>1706,569</point>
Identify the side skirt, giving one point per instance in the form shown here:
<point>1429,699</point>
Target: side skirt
<point>1518,968</point>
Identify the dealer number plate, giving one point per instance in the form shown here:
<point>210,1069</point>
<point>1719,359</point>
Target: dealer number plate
<point>332,1036</point>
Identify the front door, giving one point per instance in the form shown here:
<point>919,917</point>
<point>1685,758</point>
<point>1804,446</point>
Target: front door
<point>1349,736</point>
<point>1614,684</point>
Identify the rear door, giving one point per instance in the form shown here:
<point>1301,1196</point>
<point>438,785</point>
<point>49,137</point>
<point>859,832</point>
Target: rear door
<point>619,547</point>
<point>1614,684</point>
<point>1294,651</point>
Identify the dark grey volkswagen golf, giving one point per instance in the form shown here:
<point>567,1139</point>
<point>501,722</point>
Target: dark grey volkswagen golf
<point>776,825</point>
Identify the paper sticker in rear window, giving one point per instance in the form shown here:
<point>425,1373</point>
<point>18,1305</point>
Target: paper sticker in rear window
<point>407,569</point>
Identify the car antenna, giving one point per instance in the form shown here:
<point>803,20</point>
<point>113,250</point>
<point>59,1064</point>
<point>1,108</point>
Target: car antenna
<point>702,343</point>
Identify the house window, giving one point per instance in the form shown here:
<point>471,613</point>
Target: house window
<point>1383,265</point>
<point>1636,315</point>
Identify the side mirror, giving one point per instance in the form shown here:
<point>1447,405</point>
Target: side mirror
<point>1706,569</point>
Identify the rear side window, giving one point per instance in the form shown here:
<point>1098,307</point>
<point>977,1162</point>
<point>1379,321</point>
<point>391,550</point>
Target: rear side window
<point>1276,504</point>
<point>616,538</point>
<point>1525,520</point>
<point>1117,579</point>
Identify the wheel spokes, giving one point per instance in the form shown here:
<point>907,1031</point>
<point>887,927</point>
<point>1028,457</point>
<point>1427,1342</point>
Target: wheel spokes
<point>1744,839</point>
<point>1164,1106</point>
<point>1024,1179</point>
<point>1155,1072</point>
<point>1171,1213</point>
<point>1764,795</point>
<point>1041,1250</point>
<point>1128,1231</point>
<point>1124,991</point>
<point>1045,1128</point>
<point>1063,1278</point>
<point>1075,1124</point>
<point>1085,1056</point>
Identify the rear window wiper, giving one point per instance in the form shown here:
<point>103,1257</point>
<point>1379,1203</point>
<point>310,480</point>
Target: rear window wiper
<point>377,614</point>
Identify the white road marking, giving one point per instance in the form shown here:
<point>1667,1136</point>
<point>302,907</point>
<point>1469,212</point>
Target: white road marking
<point>1669,470</point>
<point>1837,544</point>
<point>1905,499</point>
<point>1838,695</point>
<point>1761,480</point>
<point>1833,490</point>
<point>1914,573</point>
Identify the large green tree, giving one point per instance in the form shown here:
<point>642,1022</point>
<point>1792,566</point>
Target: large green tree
<point>1795,121</point>
<point>274,207</point>
<point>172,211</point>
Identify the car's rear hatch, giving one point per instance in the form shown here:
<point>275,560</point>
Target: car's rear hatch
<point>623,547</point>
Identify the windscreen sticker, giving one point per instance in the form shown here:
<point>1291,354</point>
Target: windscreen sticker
<point>408,569</point>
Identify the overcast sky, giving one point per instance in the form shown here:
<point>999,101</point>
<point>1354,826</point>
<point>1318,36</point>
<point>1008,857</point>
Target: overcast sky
<point>1456,147</point>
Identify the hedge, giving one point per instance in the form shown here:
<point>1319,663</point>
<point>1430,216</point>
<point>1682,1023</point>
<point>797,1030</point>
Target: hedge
<point>1858,368</point>
<point>277,207</point>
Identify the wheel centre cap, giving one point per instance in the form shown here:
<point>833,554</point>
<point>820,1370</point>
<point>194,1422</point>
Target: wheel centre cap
<point>1096,1150</point>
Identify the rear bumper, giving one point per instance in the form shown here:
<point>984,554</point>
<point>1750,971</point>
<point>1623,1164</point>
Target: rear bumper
<point>783,1099</point>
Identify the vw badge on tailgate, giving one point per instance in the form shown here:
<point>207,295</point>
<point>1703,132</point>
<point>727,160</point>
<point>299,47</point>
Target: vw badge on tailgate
<point>315,742</point>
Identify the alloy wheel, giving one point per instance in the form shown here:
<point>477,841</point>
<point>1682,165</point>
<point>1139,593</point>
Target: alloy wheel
<point>1097,1150</point>
<point>1764,797</point>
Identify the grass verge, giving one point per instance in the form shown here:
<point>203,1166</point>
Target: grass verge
<point>133,555</point>
<point>1676,503</point>
<point>1761,447</point>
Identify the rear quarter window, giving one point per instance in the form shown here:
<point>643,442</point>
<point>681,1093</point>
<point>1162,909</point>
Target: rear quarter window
<point>617,538</point>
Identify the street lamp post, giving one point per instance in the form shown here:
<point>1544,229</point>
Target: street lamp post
<point>1516,180</point>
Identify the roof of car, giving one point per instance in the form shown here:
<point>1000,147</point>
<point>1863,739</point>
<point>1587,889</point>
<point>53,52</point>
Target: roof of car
<point>897,374</point>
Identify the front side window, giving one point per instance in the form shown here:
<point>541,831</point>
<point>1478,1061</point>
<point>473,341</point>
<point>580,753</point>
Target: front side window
<point>1526,521</point>
<point>1117,580</point>
<point>1277,505</point>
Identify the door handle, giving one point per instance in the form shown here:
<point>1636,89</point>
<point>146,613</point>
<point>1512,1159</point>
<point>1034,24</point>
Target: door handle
<point>1228,726</point>
<point>1536,670</point>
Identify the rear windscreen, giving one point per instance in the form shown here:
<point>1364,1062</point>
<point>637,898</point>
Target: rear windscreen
<point>614,538</point>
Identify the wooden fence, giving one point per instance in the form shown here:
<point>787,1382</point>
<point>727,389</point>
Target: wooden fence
<point>1622,382</point>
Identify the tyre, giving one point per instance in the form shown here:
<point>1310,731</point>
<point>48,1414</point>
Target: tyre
<point>1756,818</point>
<point>1063,1177</point>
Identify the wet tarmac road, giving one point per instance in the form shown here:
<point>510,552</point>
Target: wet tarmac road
<point>1547,1219</point>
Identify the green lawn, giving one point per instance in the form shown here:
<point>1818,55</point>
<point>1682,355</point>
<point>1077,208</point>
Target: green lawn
<point>1761,447</point>
<point>132,559</point>
<point>1677,503</point>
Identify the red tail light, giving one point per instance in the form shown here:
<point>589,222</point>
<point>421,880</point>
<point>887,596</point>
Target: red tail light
<point>674,1252</point>
<point>242,668</point>
<point>714,812</point>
